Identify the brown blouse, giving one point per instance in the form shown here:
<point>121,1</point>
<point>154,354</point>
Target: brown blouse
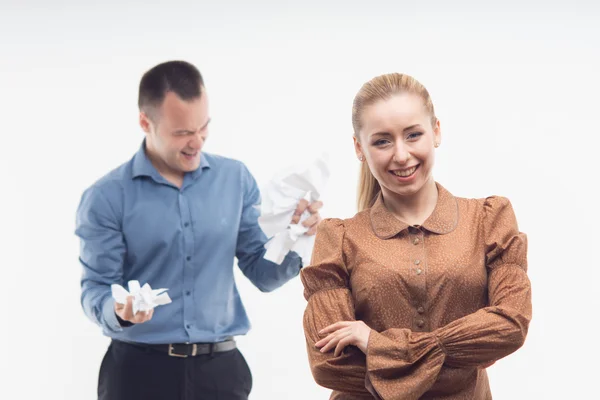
<point>444,299</point>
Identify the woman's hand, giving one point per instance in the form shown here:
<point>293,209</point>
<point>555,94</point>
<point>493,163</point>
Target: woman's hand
<point>344,333</point>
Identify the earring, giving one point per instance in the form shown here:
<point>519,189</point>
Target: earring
<point>437,144</point>
<point>361,158</point>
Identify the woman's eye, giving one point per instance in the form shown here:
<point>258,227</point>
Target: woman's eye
<point>380,142</point>
<point>414,135</point>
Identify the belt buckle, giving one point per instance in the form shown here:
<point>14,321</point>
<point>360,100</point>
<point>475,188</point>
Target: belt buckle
<point>194,351</point>
<point>172,354</point>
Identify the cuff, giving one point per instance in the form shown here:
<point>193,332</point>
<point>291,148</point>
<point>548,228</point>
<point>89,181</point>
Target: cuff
<point>111,321</point>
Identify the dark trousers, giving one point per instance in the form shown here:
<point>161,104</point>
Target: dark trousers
<point>132,372</point>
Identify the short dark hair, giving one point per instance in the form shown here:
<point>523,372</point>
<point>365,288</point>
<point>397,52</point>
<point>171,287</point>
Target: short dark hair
<point>179,77</point>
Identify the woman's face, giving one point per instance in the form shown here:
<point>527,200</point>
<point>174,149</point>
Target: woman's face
<point>397,139</point>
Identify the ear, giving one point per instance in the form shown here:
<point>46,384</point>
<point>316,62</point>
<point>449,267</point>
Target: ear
<point>437,133</point>
<point>145,122</point>
<point>358,149</point>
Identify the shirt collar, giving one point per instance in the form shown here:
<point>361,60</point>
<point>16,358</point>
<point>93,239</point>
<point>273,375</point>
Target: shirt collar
<point>444,218</point>
<point>142,166</point>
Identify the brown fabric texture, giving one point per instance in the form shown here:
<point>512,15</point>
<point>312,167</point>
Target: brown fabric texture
<point>443,300</point>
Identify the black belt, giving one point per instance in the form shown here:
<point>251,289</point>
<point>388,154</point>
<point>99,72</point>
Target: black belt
<point>184,350</point>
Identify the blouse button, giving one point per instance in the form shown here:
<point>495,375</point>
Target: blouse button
<point>420,310</point>
<point>416,241</point>
<point>419,271</point>
<point>417,262</point>
<point>420,323</point>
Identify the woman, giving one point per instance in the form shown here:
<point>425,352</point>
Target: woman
<point>419,292</point>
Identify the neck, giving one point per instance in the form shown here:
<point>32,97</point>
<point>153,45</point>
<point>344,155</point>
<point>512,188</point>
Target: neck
<point>413,209</point>
<point>174,177</point>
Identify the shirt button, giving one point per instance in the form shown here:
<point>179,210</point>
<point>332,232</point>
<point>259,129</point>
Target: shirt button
<point>419,271</point>
<point>420,323</point>
<point>417,262</point>
<point>186,224</point>
<point>188,326</point>
<point>416,241</point>
<point>420,310</point>
<point>187,292</point>
<point>188,258</point>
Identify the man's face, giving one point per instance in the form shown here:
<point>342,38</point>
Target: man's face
<point>176,133</point>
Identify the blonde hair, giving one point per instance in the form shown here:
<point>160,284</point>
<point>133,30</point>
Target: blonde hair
<point>382,88</point>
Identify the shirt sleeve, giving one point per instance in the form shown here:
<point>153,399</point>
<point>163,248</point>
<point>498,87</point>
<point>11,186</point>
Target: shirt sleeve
<point>102,252</point>
<point>250,248</point>
<point>327,291</point>
<point>499,329</point>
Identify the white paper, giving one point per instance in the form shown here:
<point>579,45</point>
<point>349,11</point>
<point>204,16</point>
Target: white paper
<point>280,198</point>
<point>144,298</point>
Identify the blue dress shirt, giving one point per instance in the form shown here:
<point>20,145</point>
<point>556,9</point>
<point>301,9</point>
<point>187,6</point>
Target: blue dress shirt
<point>134,224</point>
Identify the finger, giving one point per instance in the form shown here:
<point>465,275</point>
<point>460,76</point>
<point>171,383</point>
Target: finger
<point>330,345</point>
<point>335,327</point>
<point>128,309</point>
<point>140,317</point>
<point>302,206</point>
<point>331,340</point>
<point>339,335</point>
<point>322,342</point>
<point>326,340</point>
<point>342,344</point>
<point>313,230</point>
<point>143,316</point>
<point>312,220</point>
<point>315,206</point>
<point>335,338</point>
<point>148,315</point>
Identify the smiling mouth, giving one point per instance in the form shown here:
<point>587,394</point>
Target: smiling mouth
<point>405,173</point>
<point>189,154</point>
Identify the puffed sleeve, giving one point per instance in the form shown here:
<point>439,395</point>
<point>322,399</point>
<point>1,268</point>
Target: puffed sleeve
<point>327,290</point>
<point>495,331</point>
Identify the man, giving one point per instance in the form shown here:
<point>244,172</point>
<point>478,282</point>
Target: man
<point>175,217</point>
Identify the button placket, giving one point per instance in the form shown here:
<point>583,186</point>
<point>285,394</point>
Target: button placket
<point>188,270</point>
<point>418,267</point>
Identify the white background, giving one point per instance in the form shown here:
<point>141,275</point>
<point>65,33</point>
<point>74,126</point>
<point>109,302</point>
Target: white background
<point>515,86</point>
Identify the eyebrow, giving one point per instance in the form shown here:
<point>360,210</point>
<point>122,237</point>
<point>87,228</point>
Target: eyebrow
<point>188,131</point>
<point>410,128</point>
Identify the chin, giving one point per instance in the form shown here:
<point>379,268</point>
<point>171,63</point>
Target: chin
<point>190,169</point>
<point>187,166</point>
<point>405,190</point>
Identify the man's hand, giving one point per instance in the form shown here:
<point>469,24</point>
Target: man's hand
<point>125,312</point>
<point>312,221</point>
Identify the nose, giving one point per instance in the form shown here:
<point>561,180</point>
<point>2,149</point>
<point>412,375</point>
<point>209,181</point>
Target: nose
<point>402,154</point>
<point>196,141</point>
